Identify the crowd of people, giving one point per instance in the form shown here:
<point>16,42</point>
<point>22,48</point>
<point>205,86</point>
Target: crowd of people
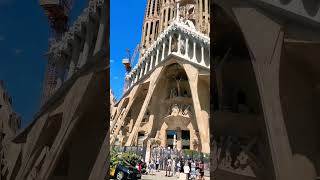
<point>174,165</point>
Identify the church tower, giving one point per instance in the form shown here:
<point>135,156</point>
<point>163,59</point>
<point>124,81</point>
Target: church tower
<point>165,99</point>
<point>151,22</point>
<point>159,14</point>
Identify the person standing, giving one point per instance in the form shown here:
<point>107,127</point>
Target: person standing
<point>168,168</point>
<point>186,169</point>
<point>201,168</point>
<point>178,168</point>
<point>152,167</point>
<point>193,169</point>
<point>157,163</point>
<point>182,165</point>
<point>173,167</point>
<point>149,167</point>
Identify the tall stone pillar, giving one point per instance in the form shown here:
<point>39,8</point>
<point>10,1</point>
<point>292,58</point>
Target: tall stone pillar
<point>101,32</point>
<point>87,44</point>
<point>202,120</point>
<point>265,58</point>
<point>120,121</point>
<point>153,82</point>
<point>179,139</point>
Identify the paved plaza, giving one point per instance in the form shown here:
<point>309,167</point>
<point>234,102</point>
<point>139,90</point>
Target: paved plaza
<point>161,176</point>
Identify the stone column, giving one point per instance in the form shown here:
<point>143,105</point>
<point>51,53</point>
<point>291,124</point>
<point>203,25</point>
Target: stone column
<point>157,57</point>
<point>161,22</point>
<point>148,151</point>
<point>151,62</point>
<point>136,76</point>
<point>146,67</point>
<point>177,15</point>
<point>202,55</point>
<point>142,70</point>
<point>202,121</point>
<point>87,44</point>
<point>143,35</point>
<point>179,44</point>
<point>133,95</point>
<point>152,85</point>
<point>170,42</point>
<point>265,58</point>
<point>101,35</point>
<point>163,50</point>
<point>187,48</point>
<point>179,139</point>
<point>148,34</point>
<point>194,58</point>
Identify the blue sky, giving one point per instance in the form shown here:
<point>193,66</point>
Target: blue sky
<point>24,36</point>
<point>126,20</point>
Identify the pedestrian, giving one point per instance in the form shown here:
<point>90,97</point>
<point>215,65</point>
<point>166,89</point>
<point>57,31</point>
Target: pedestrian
<point>157,164</point>
<point>178,168</point>
<point>168,168</point>
<point>186,169</point>
<point>149,167</point>
<point>173,167</point>
<point>152,167</point>
<point>201,168</point>
<point>182,165</point>
<point>160,162</point>
<point>193,170</point>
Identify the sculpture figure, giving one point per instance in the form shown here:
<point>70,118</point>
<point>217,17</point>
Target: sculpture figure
<point>173,93</point>
<point>175,110</point>
<point>186,111</point>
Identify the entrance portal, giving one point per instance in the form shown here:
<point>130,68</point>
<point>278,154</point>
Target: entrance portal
<point>185,138</point>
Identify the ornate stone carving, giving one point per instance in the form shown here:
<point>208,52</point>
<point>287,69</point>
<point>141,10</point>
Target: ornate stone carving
<point>173,93</point>
<point>175,110</point>
<point>231,155</point>
<point>182,110</point>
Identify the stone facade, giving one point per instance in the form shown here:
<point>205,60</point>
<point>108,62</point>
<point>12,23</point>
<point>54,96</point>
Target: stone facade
<point>266,73</point>
<point>160,14</point>
<point>64,138</point>
<point>169,87</point>
<point>9,126</point>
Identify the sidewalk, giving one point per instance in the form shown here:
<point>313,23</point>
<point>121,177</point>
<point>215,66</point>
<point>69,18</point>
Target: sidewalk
<point>161,176</point>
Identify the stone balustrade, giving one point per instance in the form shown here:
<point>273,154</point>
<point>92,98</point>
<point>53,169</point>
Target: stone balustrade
<point>85,38</point>
<point>179,40</point>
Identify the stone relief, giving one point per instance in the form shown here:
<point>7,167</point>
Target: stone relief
<point>173,93</point>
<point>122,112</point>
<point>175,110</point>
<point>231,155</point>
<point>182,110</point>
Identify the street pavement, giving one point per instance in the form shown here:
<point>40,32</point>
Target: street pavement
<point>161,176</point>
